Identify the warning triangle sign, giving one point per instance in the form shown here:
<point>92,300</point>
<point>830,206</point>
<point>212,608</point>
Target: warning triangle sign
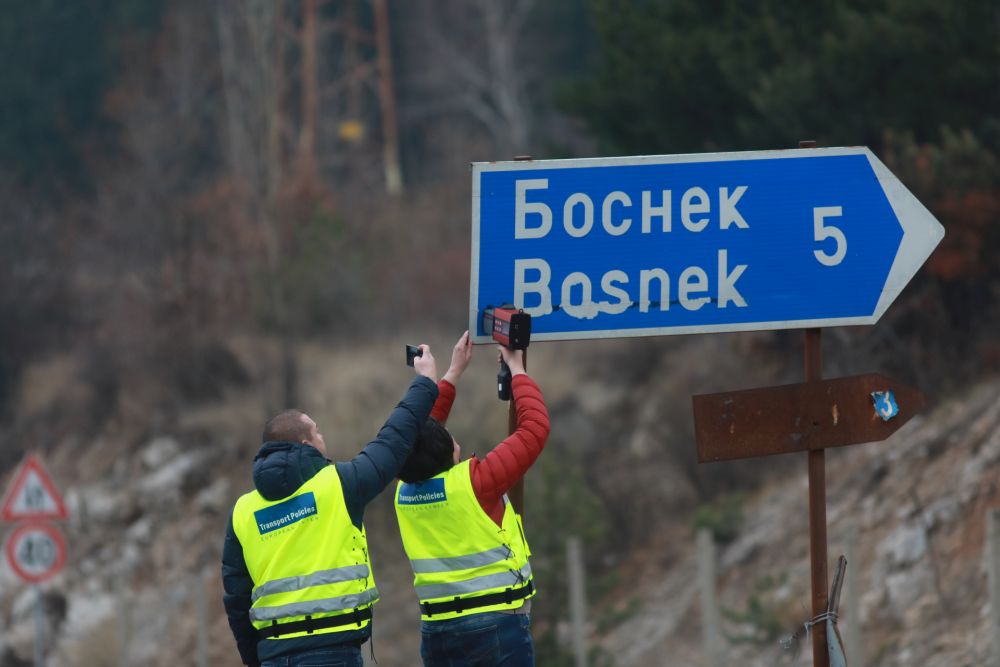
<point>32,495</point>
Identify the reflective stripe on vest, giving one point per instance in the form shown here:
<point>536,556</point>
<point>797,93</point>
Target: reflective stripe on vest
<point>455,549</point>
<point>427,565</point>
<point>488,582</point>
<point>314,607</point>
<point>305,556</point>
<point>289,584</point>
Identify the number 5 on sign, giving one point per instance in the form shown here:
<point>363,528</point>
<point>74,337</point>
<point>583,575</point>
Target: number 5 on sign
<point>823,231</point>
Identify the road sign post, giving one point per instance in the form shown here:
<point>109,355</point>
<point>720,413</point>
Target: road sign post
<point>516,492</point>
<point>813,357</point>
<point>32,495</point>
<point>682,244</point>
<point>36,550</point>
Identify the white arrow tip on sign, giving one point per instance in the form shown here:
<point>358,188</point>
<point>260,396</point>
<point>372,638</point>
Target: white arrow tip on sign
<point>921,233</point>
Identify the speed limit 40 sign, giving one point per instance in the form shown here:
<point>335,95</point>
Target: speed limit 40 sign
<point>36,551</point>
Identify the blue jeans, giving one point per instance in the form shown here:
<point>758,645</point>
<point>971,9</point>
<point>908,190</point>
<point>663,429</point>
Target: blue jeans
<point>333,656</point>
<point>489,639</point>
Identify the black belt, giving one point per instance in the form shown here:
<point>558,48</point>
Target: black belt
<point>311,624</point>
<point>464,604</point>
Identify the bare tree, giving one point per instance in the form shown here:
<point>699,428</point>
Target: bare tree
<point>358,91</point>
<point>387,100</point>
<point>307,164</point>
<point>475,66</point>
<point>251,55</point>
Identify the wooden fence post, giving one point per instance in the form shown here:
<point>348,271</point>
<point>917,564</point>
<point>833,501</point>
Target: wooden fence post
<point>993,568</point>
<point>201,618</point>
<point>577,600</point>
<point>124,626</point>
<point>710,623</point>
<point>852,634</point>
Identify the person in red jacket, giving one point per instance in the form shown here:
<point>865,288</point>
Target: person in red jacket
<point>474,594</point>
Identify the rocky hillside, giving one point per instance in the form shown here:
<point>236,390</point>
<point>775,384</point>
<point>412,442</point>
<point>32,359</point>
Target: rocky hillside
<point>149,506</point>
<point>910,511</point>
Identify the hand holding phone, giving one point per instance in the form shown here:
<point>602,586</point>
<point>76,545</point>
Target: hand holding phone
<point>420,357</point>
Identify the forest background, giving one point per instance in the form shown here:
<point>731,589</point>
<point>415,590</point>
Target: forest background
<point>195,197</point>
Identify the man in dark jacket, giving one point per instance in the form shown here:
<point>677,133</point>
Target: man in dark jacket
<point>295,568</point>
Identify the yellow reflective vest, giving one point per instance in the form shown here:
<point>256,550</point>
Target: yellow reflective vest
<point>308,562</point>
<point>462,561</point>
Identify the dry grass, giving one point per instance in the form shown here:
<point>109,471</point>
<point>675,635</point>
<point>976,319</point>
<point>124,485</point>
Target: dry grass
<point>47,382</point>
<point>350,392</point>
<point>101,646</point>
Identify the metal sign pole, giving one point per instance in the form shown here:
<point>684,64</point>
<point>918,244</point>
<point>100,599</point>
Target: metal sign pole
<point>516,493</point>
<point>817,509</point>
<point>39,627</point>
<point>813,354</point>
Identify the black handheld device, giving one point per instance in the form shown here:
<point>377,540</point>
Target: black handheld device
<point>504,378</point>
<point>412,352</point>
<point>511,328</point>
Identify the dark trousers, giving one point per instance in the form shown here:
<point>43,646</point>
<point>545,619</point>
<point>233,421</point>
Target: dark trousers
<point>346,655</point>
<point>489,639</point>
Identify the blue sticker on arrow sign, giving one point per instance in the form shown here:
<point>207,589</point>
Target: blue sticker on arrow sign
<point>885,404</point>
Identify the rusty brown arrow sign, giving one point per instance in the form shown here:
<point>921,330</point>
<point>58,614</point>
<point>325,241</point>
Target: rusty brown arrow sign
<point>801,417</point>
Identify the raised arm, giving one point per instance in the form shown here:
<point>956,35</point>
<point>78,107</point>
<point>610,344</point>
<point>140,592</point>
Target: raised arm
<point>461,355</point>
<point>368,473</point>
<point>507,462</point>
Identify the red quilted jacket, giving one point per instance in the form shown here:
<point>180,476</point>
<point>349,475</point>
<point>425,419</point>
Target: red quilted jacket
<point>507,462</point>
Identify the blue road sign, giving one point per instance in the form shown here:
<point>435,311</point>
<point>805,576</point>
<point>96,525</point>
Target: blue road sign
<point>681,244</point>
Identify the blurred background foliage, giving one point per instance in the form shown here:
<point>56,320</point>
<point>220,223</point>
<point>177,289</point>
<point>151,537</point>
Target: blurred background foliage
<point>561,496</point>
<point>730,75</point>
<point>177,178</point>
<point>156,169</point>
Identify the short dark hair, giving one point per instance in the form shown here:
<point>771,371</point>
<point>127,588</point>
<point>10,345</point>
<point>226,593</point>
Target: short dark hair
<point>287,426</point>
<point>432,453</point>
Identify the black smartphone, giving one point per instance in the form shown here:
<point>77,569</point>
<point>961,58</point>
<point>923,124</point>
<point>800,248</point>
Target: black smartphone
<point>412,352</point>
